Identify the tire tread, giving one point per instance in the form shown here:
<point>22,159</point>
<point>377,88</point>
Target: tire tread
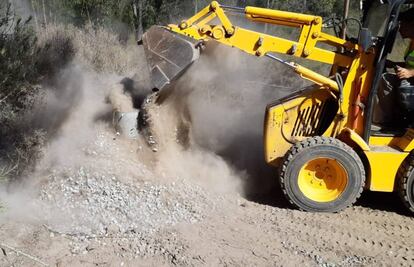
<point>404,173</point>
<point>315,141</point>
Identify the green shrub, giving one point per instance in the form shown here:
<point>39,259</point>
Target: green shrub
<point>17,58</point>
<point>25,63</point>
<point>18,80</point>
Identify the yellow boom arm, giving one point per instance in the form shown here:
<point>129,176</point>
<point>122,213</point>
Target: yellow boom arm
<point>199,27</point>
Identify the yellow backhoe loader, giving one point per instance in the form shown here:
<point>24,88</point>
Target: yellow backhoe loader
<point>322,139</point>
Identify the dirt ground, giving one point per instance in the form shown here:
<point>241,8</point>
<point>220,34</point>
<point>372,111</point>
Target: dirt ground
<point>103,212</point>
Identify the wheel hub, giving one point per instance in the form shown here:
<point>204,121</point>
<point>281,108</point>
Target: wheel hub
<point>322,179</point>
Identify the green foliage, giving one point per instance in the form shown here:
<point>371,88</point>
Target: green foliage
<point>324,8</point>
<point>119,15</point>
<point>23,65</point>
<point>18,79</point>
<point>6,171</point>
<point>17,57</point>
<point>94,11</point>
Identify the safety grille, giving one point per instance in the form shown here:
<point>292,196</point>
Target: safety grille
<point>309,120</point>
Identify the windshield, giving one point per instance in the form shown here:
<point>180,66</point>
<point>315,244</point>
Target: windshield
<point>376,18</point>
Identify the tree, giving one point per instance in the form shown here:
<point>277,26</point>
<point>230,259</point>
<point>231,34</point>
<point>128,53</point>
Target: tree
<point>17,57</point>
<point>23,66</point>
<point>17,79</point>
<point>137,7</point>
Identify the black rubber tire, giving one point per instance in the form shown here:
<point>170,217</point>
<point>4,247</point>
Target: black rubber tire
<point>405,182</point>
<point>317,147</point>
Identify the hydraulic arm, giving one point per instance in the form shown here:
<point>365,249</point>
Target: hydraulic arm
<point>200,27</point>
<point>170,50</point>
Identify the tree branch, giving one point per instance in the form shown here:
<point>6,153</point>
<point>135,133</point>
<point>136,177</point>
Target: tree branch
<point>24,254</point>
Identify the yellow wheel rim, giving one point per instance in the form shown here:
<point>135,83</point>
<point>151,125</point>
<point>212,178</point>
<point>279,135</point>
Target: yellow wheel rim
<point>322,179</point>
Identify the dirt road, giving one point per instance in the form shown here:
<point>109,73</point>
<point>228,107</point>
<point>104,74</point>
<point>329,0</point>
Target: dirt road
<point>115,208</point>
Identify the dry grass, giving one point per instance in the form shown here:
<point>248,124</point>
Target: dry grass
<point>3,177</point>
<point>97,47</point>
<point>6,171</point>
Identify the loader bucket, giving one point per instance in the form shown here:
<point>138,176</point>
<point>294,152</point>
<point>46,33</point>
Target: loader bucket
<point>168,56</point>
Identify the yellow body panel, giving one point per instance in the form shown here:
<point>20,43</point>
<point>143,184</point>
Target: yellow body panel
<point>383,141</point>
<point>357,139</point>
<point>384,166</point>
<point>404,143</point>
<point>275,148</point>
<point>290,121</point>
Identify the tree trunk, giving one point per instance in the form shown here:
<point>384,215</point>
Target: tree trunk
<point>34,15</point>
<point>346,13</point>
<point>50,14</point>
<point>137,7</point>
<point>44,12</point>
<point>266,24</point>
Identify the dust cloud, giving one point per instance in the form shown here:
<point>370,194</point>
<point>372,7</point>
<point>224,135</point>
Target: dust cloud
<point>209,130</point>
<point>218,108</point>
<point>72,107</point>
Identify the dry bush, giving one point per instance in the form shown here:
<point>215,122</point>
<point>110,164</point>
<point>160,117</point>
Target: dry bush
<point>97,47</point>
<point>6,171</point>
<point>55,53</point>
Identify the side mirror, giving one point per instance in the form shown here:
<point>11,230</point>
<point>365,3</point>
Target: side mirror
<point>365,39</point>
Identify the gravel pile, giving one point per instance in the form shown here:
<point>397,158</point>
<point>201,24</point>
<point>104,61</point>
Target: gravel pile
<point>101,205</point>
<point>106,198</point>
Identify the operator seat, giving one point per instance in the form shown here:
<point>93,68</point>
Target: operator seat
<point>405,100</point>
<point>394,109</point>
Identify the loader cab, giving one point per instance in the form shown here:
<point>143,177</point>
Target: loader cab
<point>383,111</point>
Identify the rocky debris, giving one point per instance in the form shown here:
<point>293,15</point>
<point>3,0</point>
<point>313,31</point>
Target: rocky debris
<point>316,257</point>
<point>144,122</point>
<point>101,205</point>
<point>132,220</point>
<point>110,200</point>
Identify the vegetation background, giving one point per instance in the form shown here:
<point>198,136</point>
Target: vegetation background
<point>39,38</point>
<point>140,14</point>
